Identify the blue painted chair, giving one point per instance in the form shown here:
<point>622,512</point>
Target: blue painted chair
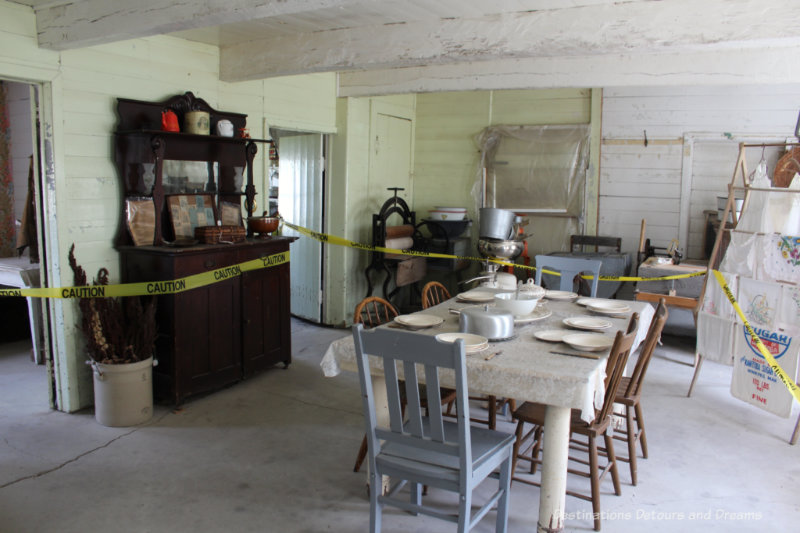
<point>569,268</point>
<point>427,450</point>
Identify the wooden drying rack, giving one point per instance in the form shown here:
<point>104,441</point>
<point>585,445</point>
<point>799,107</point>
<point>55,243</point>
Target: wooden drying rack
<point>741,169</point>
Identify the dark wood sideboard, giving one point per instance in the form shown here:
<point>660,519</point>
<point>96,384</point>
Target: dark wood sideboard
<point>214,335</point>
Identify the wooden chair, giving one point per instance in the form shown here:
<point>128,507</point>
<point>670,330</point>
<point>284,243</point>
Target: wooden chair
<point>594,241</point>
<point>373,311</point>
<point>434,293</point>
<point>427,450</point>
<point>534,413</point>
<point>569,267</point>
<point>629,392</point>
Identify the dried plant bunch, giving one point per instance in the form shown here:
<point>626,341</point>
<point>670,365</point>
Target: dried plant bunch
<point>117,330</point>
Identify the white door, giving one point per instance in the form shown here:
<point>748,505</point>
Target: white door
<point>300,175</point>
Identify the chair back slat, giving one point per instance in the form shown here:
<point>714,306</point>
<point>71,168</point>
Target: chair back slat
<point>393,393</point>
<point>615,367</point>
<point>649,346</point>
<point>413,400</point>
<point>415,351</point>
<point>434,403</point>
<point>569,267</point>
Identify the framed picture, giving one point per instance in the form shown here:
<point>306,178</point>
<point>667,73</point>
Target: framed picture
<point>189,211</point>
<point>230,214</point>
<point>140,217</point>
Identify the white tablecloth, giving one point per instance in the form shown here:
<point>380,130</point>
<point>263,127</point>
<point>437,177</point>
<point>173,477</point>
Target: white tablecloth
<point>525,369</point>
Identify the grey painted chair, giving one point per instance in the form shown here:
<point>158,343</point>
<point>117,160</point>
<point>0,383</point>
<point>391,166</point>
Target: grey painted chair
<point>426,450</point>
<point>569,268</point>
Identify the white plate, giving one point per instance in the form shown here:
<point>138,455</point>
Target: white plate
<point>418,320</point>
<point>537,314</point>
<point>609,307</point>
<point>587,301</point>
<point>472,343</point>
<point>587,322</point>
<point>591,342</point>
<point>560,295</point>
<point>551,335</point>
<point>476,296</point>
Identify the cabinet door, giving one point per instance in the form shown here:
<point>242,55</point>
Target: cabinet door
<point>265,318</point>
<point>207,337</point>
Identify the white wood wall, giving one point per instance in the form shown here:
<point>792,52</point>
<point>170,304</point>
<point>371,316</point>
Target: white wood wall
<point>645,182</point>
<point>84,85</point>
<point>19,116</point>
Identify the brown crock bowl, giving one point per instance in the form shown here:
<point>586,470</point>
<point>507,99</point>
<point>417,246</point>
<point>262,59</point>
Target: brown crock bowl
<point>263,224</point>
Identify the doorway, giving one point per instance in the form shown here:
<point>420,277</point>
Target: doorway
<point>301,181</point>
<point>23,335</point>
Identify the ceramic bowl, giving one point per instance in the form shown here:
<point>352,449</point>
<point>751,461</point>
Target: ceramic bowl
<point>516,304</point>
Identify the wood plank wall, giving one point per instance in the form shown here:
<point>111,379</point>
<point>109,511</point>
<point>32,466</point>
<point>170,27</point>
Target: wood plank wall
<point>645,182</point>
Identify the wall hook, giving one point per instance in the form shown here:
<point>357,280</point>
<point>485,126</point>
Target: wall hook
<point>645,138</point>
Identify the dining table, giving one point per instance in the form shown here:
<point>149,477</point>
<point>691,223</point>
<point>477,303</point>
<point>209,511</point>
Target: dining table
<point>524,368</point>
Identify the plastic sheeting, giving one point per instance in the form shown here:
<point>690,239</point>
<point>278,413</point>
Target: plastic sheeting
<point>538,171</point>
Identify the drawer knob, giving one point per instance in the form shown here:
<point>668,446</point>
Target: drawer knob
<point>209,263</point>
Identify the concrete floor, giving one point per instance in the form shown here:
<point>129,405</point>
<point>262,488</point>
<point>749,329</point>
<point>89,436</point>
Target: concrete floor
<point>275,454</point>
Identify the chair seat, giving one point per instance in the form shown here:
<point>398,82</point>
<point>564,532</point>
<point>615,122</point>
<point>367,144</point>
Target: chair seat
<point>485,444</point>
<point>533,413</point>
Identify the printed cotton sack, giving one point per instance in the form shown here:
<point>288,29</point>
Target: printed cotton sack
<point>753,380</point>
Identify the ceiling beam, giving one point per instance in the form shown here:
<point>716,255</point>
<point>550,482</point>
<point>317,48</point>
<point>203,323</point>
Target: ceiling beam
<point>717,67</point>
<point>92,22</point>
<point>618,28</point>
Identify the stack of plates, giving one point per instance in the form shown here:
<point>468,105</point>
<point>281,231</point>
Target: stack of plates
<point>608,307</point>
<point>587,322</point>
<point>551,335</point>
<point>537,314</point>
<point>560,295</point>
<point>590,342</point>
<point>586,300</point>
<point>472,343</point>
<point>418,321</point>
<point>476,296</point>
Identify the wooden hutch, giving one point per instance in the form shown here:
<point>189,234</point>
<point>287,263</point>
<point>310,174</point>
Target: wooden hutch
<point>218,334</point>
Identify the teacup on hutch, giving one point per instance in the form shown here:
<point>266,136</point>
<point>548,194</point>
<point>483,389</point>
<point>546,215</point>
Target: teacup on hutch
<point>197,122</point>
<point>225,128</point>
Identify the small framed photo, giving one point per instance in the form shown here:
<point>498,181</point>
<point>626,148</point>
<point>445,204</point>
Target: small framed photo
<point>230,214</point>
<point>190,211</point>
<point>140,218</point>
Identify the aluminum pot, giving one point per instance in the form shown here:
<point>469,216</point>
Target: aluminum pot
<point>494,324</point>
<point>496,223</point>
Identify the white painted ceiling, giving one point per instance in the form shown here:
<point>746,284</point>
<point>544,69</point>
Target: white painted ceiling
<point>265,38</point>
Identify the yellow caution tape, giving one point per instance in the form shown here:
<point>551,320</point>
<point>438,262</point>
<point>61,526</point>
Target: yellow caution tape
<point>221,274</point>
<point>153,287</point>
<point>773,363</point>
<point>333,239</point>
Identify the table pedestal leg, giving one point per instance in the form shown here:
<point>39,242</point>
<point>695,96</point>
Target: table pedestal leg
<point>554,469</point>
<point>381,416</point>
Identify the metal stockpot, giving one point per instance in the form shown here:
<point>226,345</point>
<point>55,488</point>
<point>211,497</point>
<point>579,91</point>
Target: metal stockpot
<point>494,324</point>
<point>496,223</point>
